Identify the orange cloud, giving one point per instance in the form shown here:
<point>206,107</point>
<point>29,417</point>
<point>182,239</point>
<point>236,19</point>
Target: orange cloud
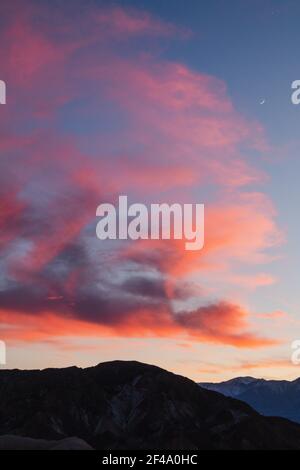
<point>246,366</point>
<point>218,323</point>
<point>172,133</point>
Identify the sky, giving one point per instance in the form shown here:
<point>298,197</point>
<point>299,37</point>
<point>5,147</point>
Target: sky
<point>163,101</point>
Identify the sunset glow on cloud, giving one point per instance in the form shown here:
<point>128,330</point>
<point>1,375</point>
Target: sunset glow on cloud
<point>96,109</point>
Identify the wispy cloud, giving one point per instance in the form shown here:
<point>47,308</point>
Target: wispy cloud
<point>92,116</point>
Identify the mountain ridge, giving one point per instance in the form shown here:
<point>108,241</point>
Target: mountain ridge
<point>131,405</point>
<point>269,397</point>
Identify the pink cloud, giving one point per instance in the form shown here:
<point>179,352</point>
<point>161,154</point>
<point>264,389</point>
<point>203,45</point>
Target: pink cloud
<point>178,133</point>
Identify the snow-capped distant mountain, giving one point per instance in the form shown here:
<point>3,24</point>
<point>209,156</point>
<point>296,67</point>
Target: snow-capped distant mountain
<point>268,397</point>
<point>231,388</point>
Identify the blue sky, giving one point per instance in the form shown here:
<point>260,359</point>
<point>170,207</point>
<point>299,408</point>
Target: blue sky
<point>165,99</point>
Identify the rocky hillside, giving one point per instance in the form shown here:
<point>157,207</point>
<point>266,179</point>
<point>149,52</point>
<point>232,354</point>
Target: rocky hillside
<point>129,405</point>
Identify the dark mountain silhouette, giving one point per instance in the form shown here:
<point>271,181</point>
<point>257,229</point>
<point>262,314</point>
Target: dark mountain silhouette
<point>268,397</point>
<point>129,405</point>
